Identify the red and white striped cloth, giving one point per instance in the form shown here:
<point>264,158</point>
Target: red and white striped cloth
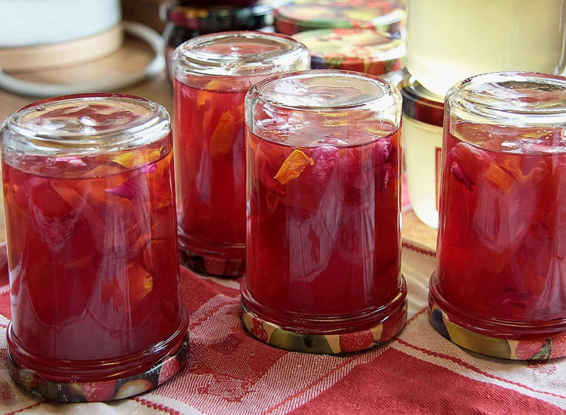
<point>230,373</point>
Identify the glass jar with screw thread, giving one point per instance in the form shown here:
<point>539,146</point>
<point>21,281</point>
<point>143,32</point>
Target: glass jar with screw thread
<point>499,284</point>
<point>323,169</point>
<point>91,236</point>
<point>212,75</point>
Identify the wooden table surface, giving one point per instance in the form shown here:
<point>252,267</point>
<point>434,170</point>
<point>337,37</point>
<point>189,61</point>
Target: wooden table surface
<point>133,56</point>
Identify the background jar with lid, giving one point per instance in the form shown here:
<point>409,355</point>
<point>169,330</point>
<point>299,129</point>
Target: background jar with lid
<point>422,144</point>
<point>323,169</point>
<point>92,252</point>
<point>298,16</point>
<point>499,286</point>
<point>352,49</point>
<point>449,41</point>
<point>189,19</point>
<point>212,75</point>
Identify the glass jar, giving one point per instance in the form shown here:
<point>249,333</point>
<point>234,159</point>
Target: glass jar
<point>298,16</point>
<point>360,50</point>
<point>186,20</point>
<point>422,143</point>
<point>92,252</point>
<point>449,41</point>
<point>212,75</point>
<point>499,285</point>
<point>323,163</point>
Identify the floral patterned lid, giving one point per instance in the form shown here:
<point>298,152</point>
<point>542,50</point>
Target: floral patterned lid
<point>303,15</point>
<point>361,50</point>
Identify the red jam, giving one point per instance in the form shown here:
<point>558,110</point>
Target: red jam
<point>212,76</point>
<point>93,258</point>
<point>503,238</point>
<point>209,148</point>
<point>323,228</point>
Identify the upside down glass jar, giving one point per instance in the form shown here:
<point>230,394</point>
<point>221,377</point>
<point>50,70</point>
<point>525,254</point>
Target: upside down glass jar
<point>499,286</point>
<point>423,113</point>
<point>92,250</point>
<point>323,162</point>
<point>212,75</point>
<point>448,41</point>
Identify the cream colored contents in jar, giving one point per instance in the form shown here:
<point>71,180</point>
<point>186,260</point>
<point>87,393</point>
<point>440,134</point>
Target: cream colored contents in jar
<point>422,144</point>
<point>451,40</point>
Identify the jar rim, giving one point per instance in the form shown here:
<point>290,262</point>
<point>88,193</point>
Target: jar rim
<point>315,101</point>
<point>85,124</point>
<point>195,56</point>
<point>510,98</point>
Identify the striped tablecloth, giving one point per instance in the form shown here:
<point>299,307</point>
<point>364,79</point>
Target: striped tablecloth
<point>230,373</point>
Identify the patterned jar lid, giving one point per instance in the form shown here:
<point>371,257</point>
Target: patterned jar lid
<point>533,348</point>
<point>305,15</point>
<point>421,104</point>
<point>361,50</point>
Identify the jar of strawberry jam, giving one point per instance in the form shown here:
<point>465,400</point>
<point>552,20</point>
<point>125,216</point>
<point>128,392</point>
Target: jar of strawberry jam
<point>323,168</point>
<point>92,248</point>
<point>212,76</point>
<point>499,287</point>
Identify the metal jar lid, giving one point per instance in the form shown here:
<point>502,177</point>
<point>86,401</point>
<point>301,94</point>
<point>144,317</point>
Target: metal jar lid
<point>300,16</point>
<point>421,104</point>
<point>218,18</point>
<point>360,50</point>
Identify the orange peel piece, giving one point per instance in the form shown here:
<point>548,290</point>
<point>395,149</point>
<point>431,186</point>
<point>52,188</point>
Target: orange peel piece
<point>513,167</point>
<point>293,166</point>
<point>205,95</point>
<point>498,177</point>
<point>140,283</point>
<point>223,135</point>
<point>132,159</point>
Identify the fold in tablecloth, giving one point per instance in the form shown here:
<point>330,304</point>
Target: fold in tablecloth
<point>230,373</point>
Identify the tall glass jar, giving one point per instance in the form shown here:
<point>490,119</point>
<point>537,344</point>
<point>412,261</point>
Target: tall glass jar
<point>323,163</point>
<point>92,250</point>
<point>212,76</point>
<point>449,40</point>
<point>499,288</point>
